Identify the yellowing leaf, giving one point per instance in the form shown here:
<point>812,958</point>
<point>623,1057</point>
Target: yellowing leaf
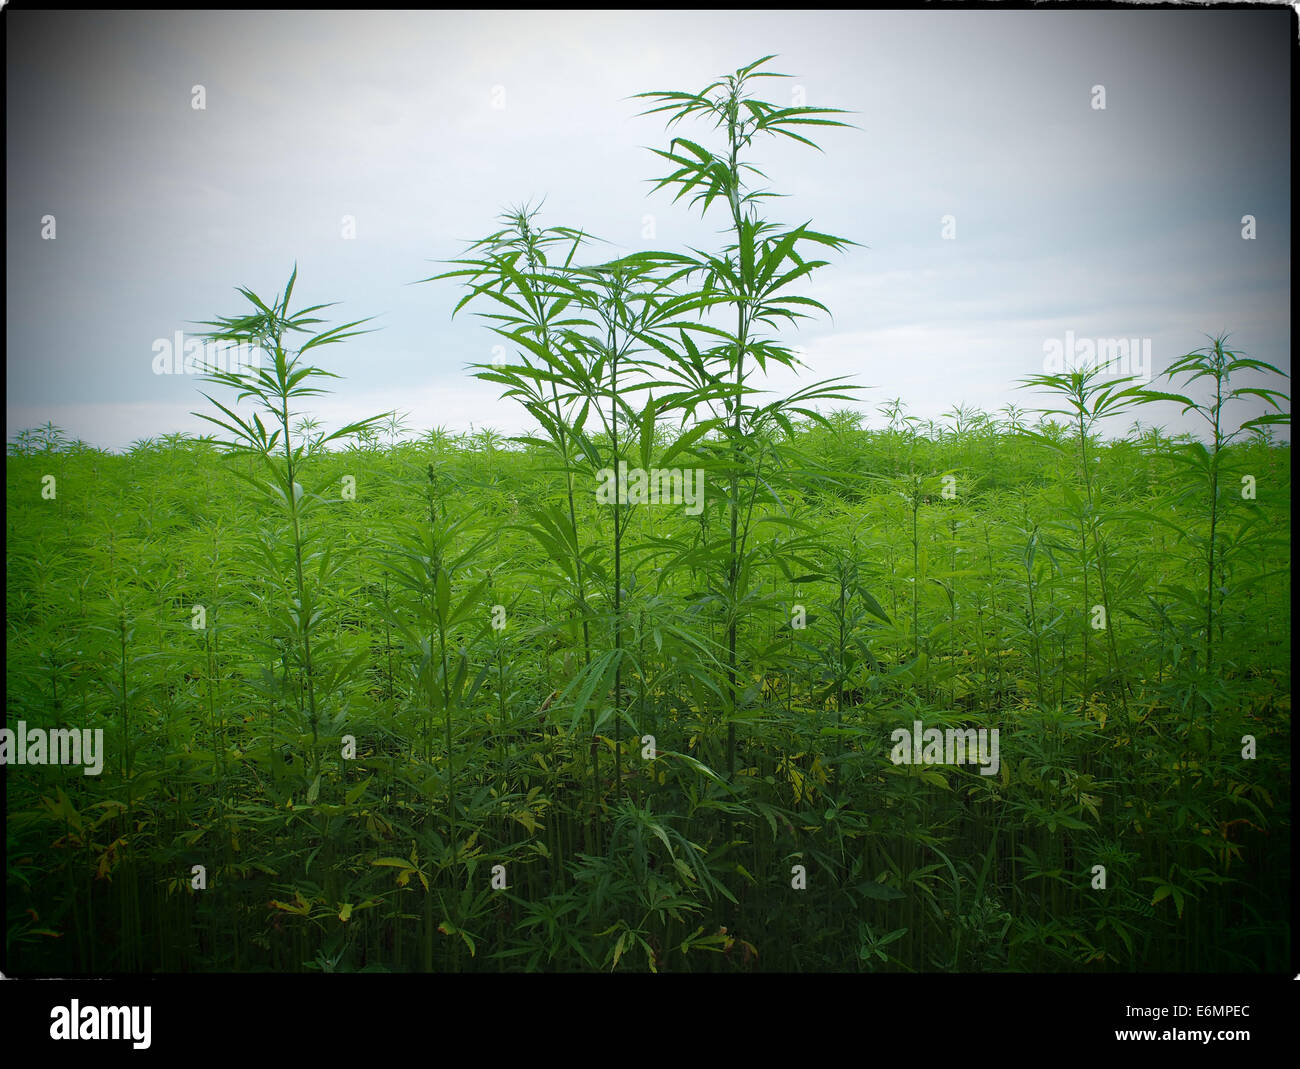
<point>300,905</point>
<point>404,876</point>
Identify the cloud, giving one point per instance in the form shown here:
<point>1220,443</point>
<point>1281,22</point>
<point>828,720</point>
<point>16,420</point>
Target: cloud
<point>1125,221</point>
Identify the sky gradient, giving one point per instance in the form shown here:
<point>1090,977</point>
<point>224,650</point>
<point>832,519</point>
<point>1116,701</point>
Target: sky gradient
<point>1122,222</point>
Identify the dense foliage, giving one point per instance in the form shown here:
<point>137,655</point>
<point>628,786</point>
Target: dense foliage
<point>443,703</point>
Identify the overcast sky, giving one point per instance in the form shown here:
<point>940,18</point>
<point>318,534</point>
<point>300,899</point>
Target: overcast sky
<point>1117,222</point>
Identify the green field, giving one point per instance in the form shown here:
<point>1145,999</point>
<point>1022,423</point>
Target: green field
<point>802,692</point>
<point>477,747</point>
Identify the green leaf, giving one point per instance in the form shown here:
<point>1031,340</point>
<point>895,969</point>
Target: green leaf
<point>599,675</point>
